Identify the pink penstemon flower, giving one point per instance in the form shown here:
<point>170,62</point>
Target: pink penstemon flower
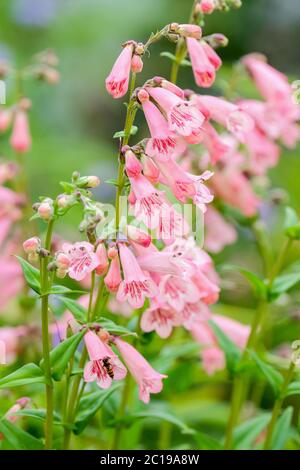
<point>136,285</point>
<point>218,232</point>
<point>163,141</point>
<point>113,278</point>
<point>20,139</point>
<point>160,317</point>
<point>83,259</point>
<point>118,79</point>
<point>177,291</point>
<point>147,378</point>
<point>204,71</point>
<point>104,366</point>
<point>183,117</point>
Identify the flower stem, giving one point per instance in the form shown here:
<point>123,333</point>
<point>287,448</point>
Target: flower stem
<point>121,413</point>
<point>278,406</point>
<point>45,340</point>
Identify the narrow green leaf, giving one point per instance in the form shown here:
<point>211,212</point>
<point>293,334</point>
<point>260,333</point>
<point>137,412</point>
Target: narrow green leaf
<point>17,438</point>
<point>90,404</point>
<point>58,290</point>
<point>120,134</point>
<point>206,442</point>
<point>293,389</point>
<point>38,414</point>
<point>61,355</point>
<point>79,312</point>
<point>273,377</point>
<point>282,430</point>
<point>168,55</point>
<point>283,283</point>
<point>231,351</point>
<point>246,433</point>
<point>257,284</point>
<point>112,181</point>
<point>31,274</point>
<point>292,224</point>
<point>113,328</point>
<point>153,413</point>
<point>28,374</point>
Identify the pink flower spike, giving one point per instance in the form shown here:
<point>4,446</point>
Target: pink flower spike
<point>204,71</point>
<point>103,260</point>
<point>118,79</point>
<point>104,366</point>
<point>162,142</point>
<point>183,117</point>
<point>132,164</point>
<point>113,278</point>
<point>20,139</point>
<point>136,285</point>
<point>190,31</point>
<point>147,378</point>
<point>83,259</point>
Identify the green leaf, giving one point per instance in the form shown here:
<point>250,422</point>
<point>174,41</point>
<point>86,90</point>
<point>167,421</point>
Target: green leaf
<point>246,433</point>
<point>120,134</point>
<point>168,55</point>
<point>31,274</point>
<point>61,355</point>
<point>273,377</point>
<point>292,224</point>
<point>58,290</point>
<point>257,284</point>
<point>231,351</point>
<point>38,414</point>
<point>206,442</point>
<point>283,283</point>
<point>112,181</point>
<point>293,389</point>
<point>282,429</point>
<point>17,438</point>
<point>157,413</point>
<point>90,404</point>
<point>113,328</point>
<point>79,312</point>
<point>28,374</point>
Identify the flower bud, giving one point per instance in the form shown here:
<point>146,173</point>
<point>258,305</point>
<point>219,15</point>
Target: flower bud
<point>113,278</point>
<point>150,169</point>
<point>206,7</point>
<point>65,200</point>
<point>216,40</point>
<point>189,31</point>
<point>139,48</point>
<point>143,95</point>
<point>20,139</point>
<point>136,64</point>
<point>45,210</point>
<point>31,245</point>
<point>112,252</point>
<point>103,335</point>
<point>102,258</point>
<point>62,261</point>
<point>87,182</point>
<point>50,75</point>
<point>132,164</point>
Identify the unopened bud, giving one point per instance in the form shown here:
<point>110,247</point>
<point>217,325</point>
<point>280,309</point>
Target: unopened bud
<point>65,200</point>
<point>31,245</point>
<point>25,104</point>
<point>217,40</point>
<point>206,7</point>
<point>61,273</point>
<point>132,165</point>
<point>112,252</point>
<point>50,75</point>
<point>150,169</point>
<point>136,64</point>
<point>139,48</point>
<point>143,95</point>
<point>5,119</point>
<point>45,210</point>
<point>139,236</point>
<point>88,182</point>
<point>190,31</point>
<point>103,335</point>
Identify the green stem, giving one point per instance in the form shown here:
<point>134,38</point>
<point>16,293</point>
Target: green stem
<point>45,340</point>
<point>280,260</point>
<point>277,407</point>
<point>121,413</point>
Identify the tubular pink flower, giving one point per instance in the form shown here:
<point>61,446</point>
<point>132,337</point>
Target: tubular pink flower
<point>118,79</point>
<point>138,236</point>
<point>83,259</point>
<point>218,232</point>
<point>101,254</point>
<point>177,291</point>
<point>150,169</point>
<point>204,71</point>
<point>20,139</point>
<point>212,56</point>
<point>113,278</point>
<point>170,86</point>
<point>163,142</point>
<point>183,117</point>
<point>132,164</point>
<point>102,358</point>
<point>147,378</point>
<point>214,144</point>
<point>161,318</point>
<point>5,119</point>
<point>136,285</point>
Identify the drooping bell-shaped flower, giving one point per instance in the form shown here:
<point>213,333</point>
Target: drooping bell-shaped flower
<point>20,139</point>
<point>118,79</point>
<point>204,71</point>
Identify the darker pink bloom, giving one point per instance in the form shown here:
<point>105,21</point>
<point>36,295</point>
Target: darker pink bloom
<point>147,378</point>
<point>203,69</point>
<point>113,278</point>
<point>118,79</point>
<point>20,139</point>
<point>104,366</point>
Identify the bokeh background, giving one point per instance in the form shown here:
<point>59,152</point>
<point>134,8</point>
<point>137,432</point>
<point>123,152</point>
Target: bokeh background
<point>73,124</point>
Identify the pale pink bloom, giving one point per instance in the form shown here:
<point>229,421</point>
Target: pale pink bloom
<point>118,79</point>
<point>8,170</point>
<point>11,277</point>
<point>147,378</point>
<point>227,114</point>
<point>263,152</point>
<point>101,254</point>
<point>171,224</point>
<point>113,278</point>
<point>183,117</point>
<point>272,84</point>
<point>20,404</point>
<point>190,31</point>
<point>194,312</point>
<point>213,359</point>
<point>132,164</point>
<point>290,135</point>
<point>212,56</point>
<point>163,142</point>
<point>218,232</point>
<point>102,359</point>
<point>177,291</point>
<point>204,71</point>
<point>83,259</point>
<point>5,119</point>
<point>160,317</point>
<point>237,332</point>
<point>20,139</point>
<point>162,262</point>
<point>216,147</point>
<point>209,290</point>
<point>150,169</point>
<point>138,236</point>
<point>136,285</point>
<point>31,244</point>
